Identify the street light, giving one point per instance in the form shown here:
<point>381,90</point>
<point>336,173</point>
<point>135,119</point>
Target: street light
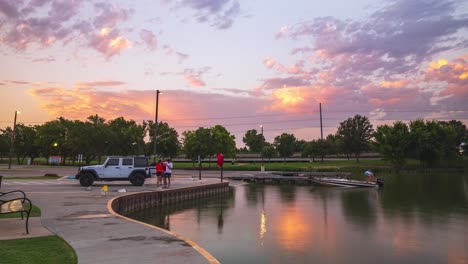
<point>12,140</point>
<point>156,124</point>
<point>262,168</point>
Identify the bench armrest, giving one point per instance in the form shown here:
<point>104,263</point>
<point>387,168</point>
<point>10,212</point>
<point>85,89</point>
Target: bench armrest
<point>12,192</point>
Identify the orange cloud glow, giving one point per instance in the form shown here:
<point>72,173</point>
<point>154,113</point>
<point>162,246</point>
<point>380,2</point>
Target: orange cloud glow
<point>391,84</point>
<point>390,92</point>
<point>79,103</point>
<point>193,80</point>
<point>454,73</point>
<point>296,99</point>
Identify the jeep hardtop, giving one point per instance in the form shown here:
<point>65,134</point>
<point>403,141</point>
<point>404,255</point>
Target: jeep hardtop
<point>134,169</point>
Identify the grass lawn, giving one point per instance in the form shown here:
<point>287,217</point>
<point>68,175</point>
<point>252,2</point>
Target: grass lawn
<point>48,249</point>
<point>288,166</point>
<point>34,212</point>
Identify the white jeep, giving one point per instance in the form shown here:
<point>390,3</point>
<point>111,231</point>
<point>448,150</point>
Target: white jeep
<point>134,169</point>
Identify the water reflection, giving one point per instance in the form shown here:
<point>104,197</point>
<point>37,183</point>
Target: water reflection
<point>409,221</point>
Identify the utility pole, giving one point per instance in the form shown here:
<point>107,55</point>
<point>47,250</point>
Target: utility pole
<point>262,167</point>
<point>321,131</point>
<point>156,125</point>
<point>12,140</point>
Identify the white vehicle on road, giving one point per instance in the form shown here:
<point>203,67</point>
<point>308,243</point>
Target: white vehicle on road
<point>133,169</point>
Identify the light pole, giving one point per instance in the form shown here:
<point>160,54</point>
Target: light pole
<point>262,168</point>
<point>156,124</point>
<point>12,140</point>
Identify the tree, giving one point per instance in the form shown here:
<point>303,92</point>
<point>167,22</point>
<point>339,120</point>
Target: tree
<point>268,151</point>
<point>253,140</point>
<point>285,144</point>
<point>25,137</point>
<point>431,141</point>
<point>222,141</point>
<point>50,137</point>
<point>196,143</point>
<point>167,142</point>
<point>311,150</point>
<point>126,134</point>
<point>4,143</point>
<point>356,133</point>
<point>393,142</point>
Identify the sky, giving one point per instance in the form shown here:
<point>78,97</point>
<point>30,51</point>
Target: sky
<point>236,63</point>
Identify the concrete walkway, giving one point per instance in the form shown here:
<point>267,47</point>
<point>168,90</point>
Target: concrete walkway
<point>81,217</point>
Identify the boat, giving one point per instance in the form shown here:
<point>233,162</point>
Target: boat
<point>342,182</point>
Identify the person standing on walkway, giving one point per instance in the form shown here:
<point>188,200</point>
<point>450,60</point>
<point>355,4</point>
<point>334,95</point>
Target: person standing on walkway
<point>168,174</point>
<point>159,173</point>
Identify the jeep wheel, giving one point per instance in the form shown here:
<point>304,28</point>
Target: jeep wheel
<point>86,179</point>
<point>137,179</point>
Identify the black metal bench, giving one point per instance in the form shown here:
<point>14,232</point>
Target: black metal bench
<point>11,205</point>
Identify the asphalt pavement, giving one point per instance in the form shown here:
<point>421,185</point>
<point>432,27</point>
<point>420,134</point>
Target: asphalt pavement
<point>80,216</point>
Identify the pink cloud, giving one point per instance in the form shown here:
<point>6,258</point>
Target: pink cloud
<point>109,42</point>
<point>269,62</point>
<point>149,38</point>
<point>455,74</point>
<point>193,80</point>
<point>388,93</point>
<point>193,77</point>
<point>63,23</point>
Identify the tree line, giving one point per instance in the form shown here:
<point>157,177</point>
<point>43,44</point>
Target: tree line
<point>430,142</point>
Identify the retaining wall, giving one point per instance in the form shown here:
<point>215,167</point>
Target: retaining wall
<point>140,201</point>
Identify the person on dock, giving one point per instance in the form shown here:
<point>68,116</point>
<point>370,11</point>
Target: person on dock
<point>159,173</point>
<point>370,177</point>
<point>168,173</point>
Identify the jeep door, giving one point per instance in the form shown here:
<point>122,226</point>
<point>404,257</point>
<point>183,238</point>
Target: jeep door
<point>111,168</point>
<point>127,167</point>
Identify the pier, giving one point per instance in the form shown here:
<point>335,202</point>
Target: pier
<point>288,177</point>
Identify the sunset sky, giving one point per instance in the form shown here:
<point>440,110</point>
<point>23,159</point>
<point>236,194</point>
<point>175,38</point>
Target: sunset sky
<point>237,63</point>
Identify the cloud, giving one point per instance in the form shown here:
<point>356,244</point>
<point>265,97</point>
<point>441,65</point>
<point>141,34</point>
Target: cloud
<point>109,42</point>
<point>18,82</point>
<point>193,80</point>
<point>43,24</point>
<point>182,56</point>
<point>193,77</point>
<point>379,62</point>
<point>269,62</point>
<point>220,14</point>
<point>45,59</point>
<point>139,105</point>
<point>8,9</point>
<point>149,38</point>
<point>98,84</point>
<point>454,74</point>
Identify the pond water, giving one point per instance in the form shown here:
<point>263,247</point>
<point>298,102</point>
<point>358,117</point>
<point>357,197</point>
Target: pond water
<point>414,219</point>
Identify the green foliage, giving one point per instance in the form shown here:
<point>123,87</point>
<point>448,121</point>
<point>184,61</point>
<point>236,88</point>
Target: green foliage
<point>206,142</point>
<point>355,133</point>
<point>432,142</point>
<point>393,142</point>
<point>254,141</point>
<point>4,143</point>
<point>223,141</point>
<point>285,144</point>
<point>268,151</point>
<point>167,140</point>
